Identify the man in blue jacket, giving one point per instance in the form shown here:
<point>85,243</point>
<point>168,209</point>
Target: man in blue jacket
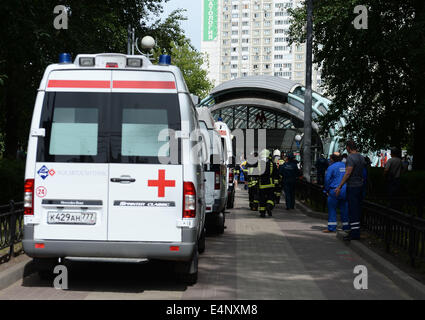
<point>334,175</point>
<point>289,172</point>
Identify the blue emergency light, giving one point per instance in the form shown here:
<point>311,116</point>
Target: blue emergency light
<point>65,58</point>
<point>164,60</point>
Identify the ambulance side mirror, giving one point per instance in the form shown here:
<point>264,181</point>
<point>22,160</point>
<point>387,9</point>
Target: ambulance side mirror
<point>195,99</point>
<point>38,133</point>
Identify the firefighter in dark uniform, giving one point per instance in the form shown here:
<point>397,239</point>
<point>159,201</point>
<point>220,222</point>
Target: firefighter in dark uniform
<point>268,173</point>
<point>289,172</point>
<point>253,190</point>
<point>278,179</point>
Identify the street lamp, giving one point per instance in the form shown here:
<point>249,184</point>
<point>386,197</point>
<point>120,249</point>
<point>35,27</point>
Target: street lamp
<point>298,139</point>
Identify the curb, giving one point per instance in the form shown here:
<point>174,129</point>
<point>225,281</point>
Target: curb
<point>15,273</point>
<point>412,287</point>
<point>311,213</point>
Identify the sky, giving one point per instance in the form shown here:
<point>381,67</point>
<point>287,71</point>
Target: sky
<point>192,26</point>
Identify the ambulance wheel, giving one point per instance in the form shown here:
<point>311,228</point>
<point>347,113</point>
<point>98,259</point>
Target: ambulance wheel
<point>188,271</point>
<point>201,242</point>
<point>221,219</point>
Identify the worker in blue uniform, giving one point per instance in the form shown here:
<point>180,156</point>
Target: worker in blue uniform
<point>289,172</point>
<point>333,178</point>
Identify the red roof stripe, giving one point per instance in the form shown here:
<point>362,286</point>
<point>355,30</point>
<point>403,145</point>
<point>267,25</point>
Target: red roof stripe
<point>79,84</point>
<point>144,85</point>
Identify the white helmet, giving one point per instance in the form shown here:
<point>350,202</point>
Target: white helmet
<point>276,153</point>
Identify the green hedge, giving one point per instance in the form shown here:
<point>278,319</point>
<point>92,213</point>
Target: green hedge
<point>412,184</point>
<point>12,175</point>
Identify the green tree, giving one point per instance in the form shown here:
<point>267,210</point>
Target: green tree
<point>375,76</point>
<point>190,61</point>
<point>30,43</point>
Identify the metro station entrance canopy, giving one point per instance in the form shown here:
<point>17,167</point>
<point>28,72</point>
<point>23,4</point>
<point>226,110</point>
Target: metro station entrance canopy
<point>273,103</point>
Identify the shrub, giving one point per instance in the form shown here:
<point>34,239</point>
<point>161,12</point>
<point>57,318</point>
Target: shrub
<point>12,173</point>
<point>412,184</point>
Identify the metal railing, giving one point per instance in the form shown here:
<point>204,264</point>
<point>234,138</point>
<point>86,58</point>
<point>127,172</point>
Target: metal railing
<point>312,194</point>
<point>11,229</point>
<point>404,231</point>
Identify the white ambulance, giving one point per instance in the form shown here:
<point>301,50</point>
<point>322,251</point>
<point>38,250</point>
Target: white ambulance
<point>111,171</point>
<point>227,137</point>
<point>215,172</point>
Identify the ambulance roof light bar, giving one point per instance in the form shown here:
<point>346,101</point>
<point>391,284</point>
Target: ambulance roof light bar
<point>65,58</point>
<point>164,60</point>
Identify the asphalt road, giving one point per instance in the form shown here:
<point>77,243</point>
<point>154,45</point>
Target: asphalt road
<point>283,257</point>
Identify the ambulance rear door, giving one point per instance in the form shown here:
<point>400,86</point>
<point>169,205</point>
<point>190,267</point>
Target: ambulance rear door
<point>71,170</point>
<point>145,195</point>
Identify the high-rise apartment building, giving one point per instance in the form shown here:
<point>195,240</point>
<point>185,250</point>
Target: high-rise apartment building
<point>250,37</point>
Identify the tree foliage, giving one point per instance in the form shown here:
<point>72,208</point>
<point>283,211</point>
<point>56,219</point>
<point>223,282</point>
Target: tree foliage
<point>374,76</point>
<point>190,61</point>
<point>30,43</point>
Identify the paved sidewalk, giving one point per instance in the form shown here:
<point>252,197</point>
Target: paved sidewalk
<point>283,257</point>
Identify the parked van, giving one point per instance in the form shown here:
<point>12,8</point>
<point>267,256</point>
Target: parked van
<point>225,134</point>
<point>215,173</point>
<point>111,173</point>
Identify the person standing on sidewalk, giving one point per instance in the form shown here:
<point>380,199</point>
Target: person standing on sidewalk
<point>267,172</point>
<point>354,179</point>
<point>394,168</point>
<point>321,167</point>
<point>334,175</point>
<point>289,172</point>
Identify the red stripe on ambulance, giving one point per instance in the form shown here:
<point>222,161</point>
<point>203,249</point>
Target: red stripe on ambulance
<point>144,85</point>
<point>79,84</point>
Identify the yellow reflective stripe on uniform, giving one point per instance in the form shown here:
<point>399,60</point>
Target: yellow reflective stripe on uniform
<point>270,202</point>
<point>266,186</point>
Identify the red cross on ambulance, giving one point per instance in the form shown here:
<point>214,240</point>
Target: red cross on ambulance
<point>162,183</point>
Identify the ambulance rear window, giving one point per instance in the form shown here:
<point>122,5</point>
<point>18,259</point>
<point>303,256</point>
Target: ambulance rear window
<point>74,132</point>
<point>108,127</point>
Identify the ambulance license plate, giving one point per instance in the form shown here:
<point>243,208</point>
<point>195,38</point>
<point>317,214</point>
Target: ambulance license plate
<point>82,218</point>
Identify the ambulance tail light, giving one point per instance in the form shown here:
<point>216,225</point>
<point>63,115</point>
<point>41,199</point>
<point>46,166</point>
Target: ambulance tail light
<point>217,180</point>
<point>29,197</point>
<point>189,200</point>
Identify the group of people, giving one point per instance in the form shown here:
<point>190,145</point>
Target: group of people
<point>345,185</point>
<point>344,179</point>
<point>266,177</point>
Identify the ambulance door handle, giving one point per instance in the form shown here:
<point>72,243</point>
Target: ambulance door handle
<point>123,180</point>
